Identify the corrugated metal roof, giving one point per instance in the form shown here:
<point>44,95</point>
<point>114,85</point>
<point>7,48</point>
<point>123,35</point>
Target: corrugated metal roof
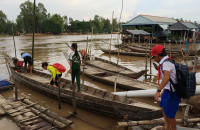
<point>182,26</point>
<point>164,26</point>
<point>158,19</point>
<point>189,25</point>
<point>135,32</point>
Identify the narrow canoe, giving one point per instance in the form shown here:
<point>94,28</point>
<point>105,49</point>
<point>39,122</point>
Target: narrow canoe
<point>123,82</point>
<point>113,67</point>
<point>139,54</point>
<point>92,99</point>
<point>137,49</point>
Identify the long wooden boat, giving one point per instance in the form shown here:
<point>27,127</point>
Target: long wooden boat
<point>139,54</point>
<point>190,64</point>
<point>113,67</point>
<point>92,99</point>
<point>137,49</point>
<point>123,82</point>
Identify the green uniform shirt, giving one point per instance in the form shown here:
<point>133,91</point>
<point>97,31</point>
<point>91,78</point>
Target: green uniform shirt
<point>75,60</point>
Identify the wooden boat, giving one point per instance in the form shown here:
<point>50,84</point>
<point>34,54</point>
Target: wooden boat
<point>109,78</point>
<point>137,49</point>
<point>139,54</point>
<point>92,99</point>
<point>190,64</point>
<point>113,67</point>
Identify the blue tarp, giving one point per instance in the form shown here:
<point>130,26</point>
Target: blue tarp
<point>4,82</point>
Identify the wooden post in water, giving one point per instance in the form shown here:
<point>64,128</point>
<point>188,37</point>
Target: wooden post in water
<point>139,40</point>
<point>146,63</point>
<point>91,42</point>
<point>59,100</point>
<point>7,67</point>
<point>115,85</point>
<point>170,45</point>
<point>16,93</point>
<point>150,56</point>
<point>33,33</point>
<point>164,45</point>
<point>14,43</point>
<point>111,33</point>
<point>85,57</point>
<point>128,44</point>
<point>74,98</point>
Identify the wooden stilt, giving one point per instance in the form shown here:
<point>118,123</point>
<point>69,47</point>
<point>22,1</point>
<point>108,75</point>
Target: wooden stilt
<point>170,45</point>
<point>111,33</point>
<point>7,67</point>
<point>85,57</point>
<point>115,85</point>
<point>16,93</point>
<point>146,63</point>
<point>74,98</point>
<point>139,39</point>
<point>59,100</point>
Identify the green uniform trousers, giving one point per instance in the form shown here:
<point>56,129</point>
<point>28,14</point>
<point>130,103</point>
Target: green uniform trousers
<point>76,73</point>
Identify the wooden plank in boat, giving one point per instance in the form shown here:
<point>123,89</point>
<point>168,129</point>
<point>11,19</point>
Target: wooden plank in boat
<point>143,105</point>
<point>47,127</point>
<point>2,100</point>
<point>37,78</point>
<point>2,112</point>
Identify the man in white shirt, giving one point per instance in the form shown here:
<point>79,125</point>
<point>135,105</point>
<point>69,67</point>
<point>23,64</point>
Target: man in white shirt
<point>169,99</point>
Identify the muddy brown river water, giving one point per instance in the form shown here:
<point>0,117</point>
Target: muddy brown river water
<point>50,48</point>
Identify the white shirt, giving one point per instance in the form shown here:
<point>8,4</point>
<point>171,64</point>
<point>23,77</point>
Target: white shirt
<point>168,66</point>
<point>71,55</point>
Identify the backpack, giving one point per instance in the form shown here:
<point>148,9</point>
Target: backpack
<point>59,67</point>
<point>19,63</point>
<point>186,81</point>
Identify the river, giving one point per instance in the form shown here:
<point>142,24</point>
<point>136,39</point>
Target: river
<point>50,49</point>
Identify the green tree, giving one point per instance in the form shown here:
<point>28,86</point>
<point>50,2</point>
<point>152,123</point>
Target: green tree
<point>41,15</point>
<point>114,24</point>
<point>3,19</point>
<point>97,23</point>
<point>107,25</point>
<point>66,22</point>
<point>48,26</point>
<point>56,18</point>
<point>181,19</point>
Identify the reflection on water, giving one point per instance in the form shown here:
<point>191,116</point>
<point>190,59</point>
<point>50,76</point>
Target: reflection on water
<point>50,49</point>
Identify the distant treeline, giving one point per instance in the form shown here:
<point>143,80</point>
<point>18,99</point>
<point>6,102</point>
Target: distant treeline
<point>47,23</point>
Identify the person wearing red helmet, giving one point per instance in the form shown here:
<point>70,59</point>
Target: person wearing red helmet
<point>169,99</point>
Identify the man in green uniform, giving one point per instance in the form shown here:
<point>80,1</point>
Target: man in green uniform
<point>75,61</point>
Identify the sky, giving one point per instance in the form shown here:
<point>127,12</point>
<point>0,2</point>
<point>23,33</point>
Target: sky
<point>86,9</point>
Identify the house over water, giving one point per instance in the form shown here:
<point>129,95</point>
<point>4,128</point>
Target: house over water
<point>158,24</point>
<point>179,29</point>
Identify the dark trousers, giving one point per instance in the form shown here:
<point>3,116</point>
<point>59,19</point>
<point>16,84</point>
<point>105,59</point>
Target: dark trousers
<point>56,80</point>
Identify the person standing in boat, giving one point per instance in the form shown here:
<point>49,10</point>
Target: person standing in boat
<point>27,58</point>
<point>169,98</point>
<point>75,61</point>
<point>54,73</point>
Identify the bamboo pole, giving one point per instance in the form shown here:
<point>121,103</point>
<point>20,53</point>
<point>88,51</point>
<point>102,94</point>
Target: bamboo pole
<point>14,43</point>
<point>85,57</point>
<point>128,44</point>
<point>7,67</point>
<point>150,56</point>
<point>115,85</point>
<point>59,100</point>
<point>16,93</point>
<point>33,33</point>
<point>91,42</point>
<point>74,99</point>
<point>111,33</point>
<point>146,63</point>
<point>139,39</point>
<point>170,45</point>
<point>152,122</point>
<point>118,34</point>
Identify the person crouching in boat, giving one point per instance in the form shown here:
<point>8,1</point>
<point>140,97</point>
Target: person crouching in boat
<point>27,58</point>
<point>54,73</point>
<point>75,61</point>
